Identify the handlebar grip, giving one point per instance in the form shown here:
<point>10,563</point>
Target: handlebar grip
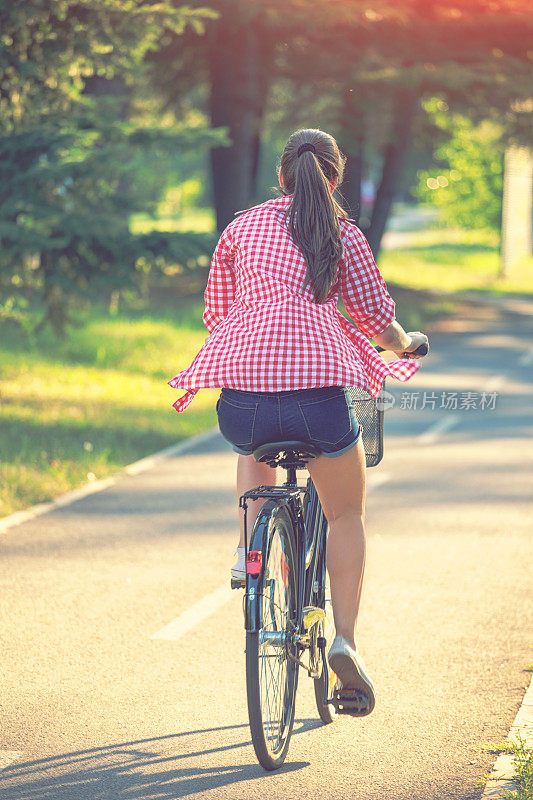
<point>421,350</point>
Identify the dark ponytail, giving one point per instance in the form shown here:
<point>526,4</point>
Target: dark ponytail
<point>313,213</point>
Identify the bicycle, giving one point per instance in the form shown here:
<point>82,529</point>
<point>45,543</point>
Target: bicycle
<point>286,610</point>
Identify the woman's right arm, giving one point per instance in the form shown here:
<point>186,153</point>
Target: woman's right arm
<point>396,339</point>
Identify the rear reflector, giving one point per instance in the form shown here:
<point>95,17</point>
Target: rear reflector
<point>254,560</point>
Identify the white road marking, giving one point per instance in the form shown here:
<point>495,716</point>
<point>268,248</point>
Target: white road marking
<point>526,358</point>
<point>447,423</point>
<point>376,479</point>
<point>169,452</point>
<point>97,486</point>
<point>8,756</point>
<point>441,426</point>
<point>192,617</point>
<point>212,602</point>
<point>494,383</point>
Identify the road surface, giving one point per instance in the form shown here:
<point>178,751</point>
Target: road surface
<point>122,656</point>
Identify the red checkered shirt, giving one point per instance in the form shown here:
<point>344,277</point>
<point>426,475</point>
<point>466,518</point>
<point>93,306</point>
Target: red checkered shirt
<point>266,331</point>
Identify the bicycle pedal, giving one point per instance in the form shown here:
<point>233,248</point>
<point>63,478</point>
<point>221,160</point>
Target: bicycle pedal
<point>350,701</point>
<point>238,583</point>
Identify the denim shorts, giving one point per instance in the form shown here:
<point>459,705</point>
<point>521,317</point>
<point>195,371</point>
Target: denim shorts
<point>324,417</point>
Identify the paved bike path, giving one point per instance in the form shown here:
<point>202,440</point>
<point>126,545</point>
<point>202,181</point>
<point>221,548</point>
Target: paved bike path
<point>93,707</point>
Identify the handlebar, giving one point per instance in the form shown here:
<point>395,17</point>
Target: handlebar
<point>421,350</point>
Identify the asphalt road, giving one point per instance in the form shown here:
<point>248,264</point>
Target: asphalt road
<point>94,708</point>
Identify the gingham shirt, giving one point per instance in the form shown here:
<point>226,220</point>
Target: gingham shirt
<point>266,331</point>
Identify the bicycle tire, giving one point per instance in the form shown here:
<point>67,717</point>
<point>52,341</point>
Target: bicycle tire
<point>271,676</point>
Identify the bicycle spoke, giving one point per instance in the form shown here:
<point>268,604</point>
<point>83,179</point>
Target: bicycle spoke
<point>272,682</point>
<point>273,666</point>
<point>273,673</point>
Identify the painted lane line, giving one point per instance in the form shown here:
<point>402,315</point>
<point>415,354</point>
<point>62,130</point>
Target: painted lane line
<point>526,358</point>
<point>447,423</point>
<point>501,778</point>
<point>197,613</point>
<point>494,383</point>
<point>147,463</point>
<point>97,486</point>
<point>212,602</point>
<point>376,479</point>
<point>441,426</point>
<point>8,756</point>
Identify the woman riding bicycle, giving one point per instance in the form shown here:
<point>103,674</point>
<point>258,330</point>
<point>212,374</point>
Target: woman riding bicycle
<point>282,353</point>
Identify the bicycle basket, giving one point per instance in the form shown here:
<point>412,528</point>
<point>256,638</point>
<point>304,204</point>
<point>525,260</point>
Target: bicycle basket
<point>369,411</point>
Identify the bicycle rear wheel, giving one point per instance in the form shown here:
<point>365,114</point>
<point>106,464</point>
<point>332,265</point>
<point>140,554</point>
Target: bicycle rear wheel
<point>271,674</point>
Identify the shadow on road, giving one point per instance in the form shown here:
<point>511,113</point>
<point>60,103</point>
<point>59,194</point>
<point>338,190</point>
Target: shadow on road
<point>144,768</point>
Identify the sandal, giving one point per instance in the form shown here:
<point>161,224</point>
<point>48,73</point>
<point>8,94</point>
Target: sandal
<point>350,668</point>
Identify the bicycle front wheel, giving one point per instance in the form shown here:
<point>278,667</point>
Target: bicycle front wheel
<point>271,672</point>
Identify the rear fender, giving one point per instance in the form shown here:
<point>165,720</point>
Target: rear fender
<point>253,601</point>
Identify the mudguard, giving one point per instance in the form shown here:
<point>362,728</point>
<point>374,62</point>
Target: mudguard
<point>253,605</point>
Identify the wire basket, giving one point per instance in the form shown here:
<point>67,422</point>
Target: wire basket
<point>369,411</point>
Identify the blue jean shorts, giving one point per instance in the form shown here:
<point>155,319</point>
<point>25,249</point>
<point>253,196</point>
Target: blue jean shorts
<point>324,417</point>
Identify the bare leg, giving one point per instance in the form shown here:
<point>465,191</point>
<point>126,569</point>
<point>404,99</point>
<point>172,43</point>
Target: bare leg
<point>250,474</point>
<point>340,484</point>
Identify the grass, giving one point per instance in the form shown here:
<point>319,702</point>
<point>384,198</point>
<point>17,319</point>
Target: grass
<point>522,765</point>
<point>82,408</point>
<point>199,220</point>
<point>453,261</point>
<point>523,777</point>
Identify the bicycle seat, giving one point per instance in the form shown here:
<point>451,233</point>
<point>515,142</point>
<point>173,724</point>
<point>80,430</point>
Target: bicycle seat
<point>286,454</point>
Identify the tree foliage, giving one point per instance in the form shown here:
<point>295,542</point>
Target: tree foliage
<point>68,151</point>
<point>88,88</point>
<point>467,183</point>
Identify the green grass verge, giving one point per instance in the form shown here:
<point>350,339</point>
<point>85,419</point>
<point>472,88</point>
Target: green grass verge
<point>82,408</point>
<point>523,777</point>
<point>453,261</point>
<point>198,220</point>
<point>522,766</point>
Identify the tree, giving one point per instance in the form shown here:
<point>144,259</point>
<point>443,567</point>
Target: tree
<point>66,149</point>
<point>382,63</point>
<point>234,62</point>
<point>467,184</point>
<point>238,61</point>
<point>364,69</point>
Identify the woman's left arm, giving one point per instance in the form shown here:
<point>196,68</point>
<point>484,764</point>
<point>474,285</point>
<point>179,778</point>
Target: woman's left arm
<point>220,290</point>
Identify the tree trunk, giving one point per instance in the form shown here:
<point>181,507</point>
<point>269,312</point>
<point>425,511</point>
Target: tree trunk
<point>405,108</point>
<point>351,185</point>
<point>352,143</point>
<point>238,60</point>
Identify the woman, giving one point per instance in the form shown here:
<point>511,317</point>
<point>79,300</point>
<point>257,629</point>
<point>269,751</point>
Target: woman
<point>283,353</point>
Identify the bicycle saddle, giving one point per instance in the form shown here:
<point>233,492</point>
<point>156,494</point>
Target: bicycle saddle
<point>285,454</point>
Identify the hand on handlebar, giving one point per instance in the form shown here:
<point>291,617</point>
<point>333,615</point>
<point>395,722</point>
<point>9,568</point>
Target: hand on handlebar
<point>419,346</point>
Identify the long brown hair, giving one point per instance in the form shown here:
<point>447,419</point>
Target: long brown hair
<point>313,212</point>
